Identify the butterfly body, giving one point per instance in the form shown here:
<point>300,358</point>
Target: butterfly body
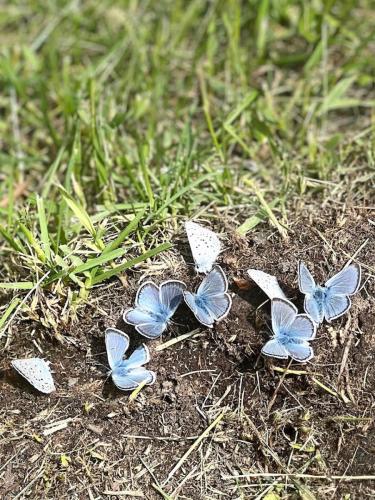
<point>210,302</point>
<point>154,307</point>
<point>292,333</point>
<point>128,373</point>
<point>331,300</point>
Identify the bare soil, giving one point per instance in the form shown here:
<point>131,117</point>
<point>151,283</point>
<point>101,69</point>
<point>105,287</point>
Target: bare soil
<point>88,440</point>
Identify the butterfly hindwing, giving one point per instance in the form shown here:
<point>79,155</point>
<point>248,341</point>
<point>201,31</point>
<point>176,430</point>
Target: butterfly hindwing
<point>335,306</point>
<point>127,380</point>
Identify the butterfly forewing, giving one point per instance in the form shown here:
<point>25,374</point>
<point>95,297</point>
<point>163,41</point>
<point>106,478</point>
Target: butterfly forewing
<point>205,246</point>
<point>171,295</point>
<point>346,282</point>
<point>37,372</point>
<point>117,343</point>
<point>306,282</point>
<point>303,328</point>
<point>215,283</point>
<point>147,298</point>
<point>283,314</point>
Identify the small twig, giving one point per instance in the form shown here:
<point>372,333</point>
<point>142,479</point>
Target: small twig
<point>271,403</point>
<point>194,446</point>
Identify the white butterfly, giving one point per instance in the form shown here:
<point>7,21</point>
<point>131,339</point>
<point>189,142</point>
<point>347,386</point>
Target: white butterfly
<point>205,246</point>
<point>267,283</point>
<point>37,372</point>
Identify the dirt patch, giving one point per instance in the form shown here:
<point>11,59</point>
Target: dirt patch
<point>88,441</point>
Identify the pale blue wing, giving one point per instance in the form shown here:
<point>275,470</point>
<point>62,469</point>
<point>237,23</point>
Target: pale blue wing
<point>275,349</point>
<point>171,295</point>
<point>137,317</point>
<point>139,357</point>
<point>283,314</point>
<point>219,306</point>
<point>127,380</point>
<point>214,283</point>
<point>152,330</point>
<point>147,297</point>
<point>301,352</point>
<point>116,342</point>
<point>335,306</point>
<point>205,246</point>
<point>201,313</point>
<point>314,308</point>
<point>190,301</point>
<point>346,282</point>
<point>306,282</point>
<point>302,328</point>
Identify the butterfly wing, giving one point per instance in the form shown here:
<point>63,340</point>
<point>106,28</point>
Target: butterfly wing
<point>346,282</point>
<point>37,372</point>
<point>139,357</point>
<point>214,283</point>
<point>147,298</point>
<point>300,351</point>
<point>202,314</point>
<point>306,282</point>
<point>116,343</point>
<point>171,295</point>
<point>275,349</point>
<point>335,306</point>
<point>205,246</point>
<point>283,314</point>
<point>314,308</point>
<point>303,328</point>
<point>267,283</point>
<point>127,380</point>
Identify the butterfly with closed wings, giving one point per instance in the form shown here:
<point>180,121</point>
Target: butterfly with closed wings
<point>292,332</point>
<point>127,374</point>
<point>211,302</point>
<point>267,283</point>
<point>333,299</point>
<point>154,307</point>
<point>205,246</point>
<point>37,372</point>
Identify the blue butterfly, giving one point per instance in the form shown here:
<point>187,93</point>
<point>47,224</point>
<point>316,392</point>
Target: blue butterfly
<point>154,307</point>
<point>127,374</point>
<point>292,331</point>
<point>211,302</point>
<point>331,300</point>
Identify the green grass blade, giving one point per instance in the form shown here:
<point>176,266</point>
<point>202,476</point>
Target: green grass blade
<point>79,212</point>
<point>33,242</point>
<point>130,263</point>
<point>43,227</point>
<point>18,285</point>
<point>131,227</point>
